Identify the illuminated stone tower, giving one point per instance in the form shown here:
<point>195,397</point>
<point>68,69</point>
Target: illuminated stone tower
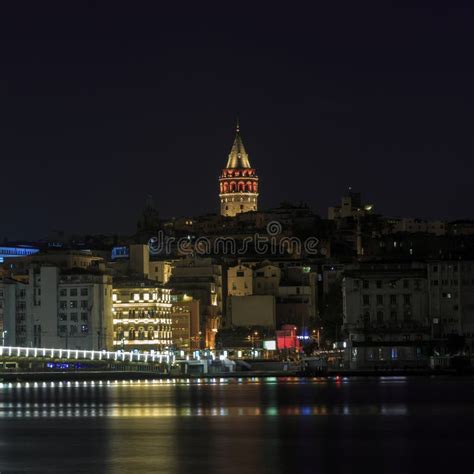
<point>238,182</point>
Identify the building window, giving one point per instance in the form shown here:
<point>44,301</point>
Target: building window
<point>73,292</point>
<point>380,300</point>
<point>63,305</point>
<point>73,330</point>
<point>84,317</point>
<point>379,317</point>
<point>394,353</point>
<point>407,315</point>
<point>62,316</point>
<point>63,292</point>
<point>365,284</point>
<point>393,299</point>
<point>73,317</point>
<point>73,304</point>
<point>84,291</point>
<point>407,299</point>
<point>240,274</point>
<point>84,304</point>
<point>379,284</point>
<point>366,300</point>
<point>62,329</point>
<point>393,316</point>
<point>84,328</point>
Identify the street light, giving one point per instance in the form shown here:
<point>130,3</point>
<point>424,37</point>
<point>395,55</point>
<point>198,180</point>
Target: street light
<point>255,334</point>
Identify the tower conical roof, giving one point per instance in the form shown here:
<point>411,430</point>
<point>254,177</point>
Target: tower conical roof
<point>238,157</point>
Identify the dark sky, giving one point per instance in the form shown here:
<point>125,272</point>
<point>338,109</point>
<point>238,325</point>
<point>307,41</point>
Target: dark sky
<point>102,103</point>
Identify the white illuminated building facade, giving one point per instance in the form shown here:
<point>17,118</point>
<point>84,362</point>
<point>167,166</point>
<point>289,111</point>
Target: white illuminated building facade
<point>69,309</point>
<point>141,316</point>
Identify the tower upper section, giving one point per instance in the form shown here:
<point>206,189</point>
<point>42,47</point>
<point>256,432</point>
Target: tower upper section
<point>238,183</point>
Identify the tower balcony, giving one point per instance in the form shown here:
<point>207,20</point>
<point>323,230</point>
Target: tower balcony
<point>237,172</point>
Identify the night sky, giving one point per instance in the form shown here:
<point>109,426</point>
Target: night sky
<point>104,103</point>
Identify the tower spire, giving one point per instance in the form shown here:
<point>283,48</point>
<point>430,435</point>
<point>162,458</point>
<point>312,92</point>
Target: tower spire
<point>238,157</point>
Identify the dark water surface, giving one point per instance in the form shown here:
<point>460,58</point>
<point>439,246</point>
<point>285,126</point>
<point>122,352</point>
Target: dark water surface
<point>239,426</point>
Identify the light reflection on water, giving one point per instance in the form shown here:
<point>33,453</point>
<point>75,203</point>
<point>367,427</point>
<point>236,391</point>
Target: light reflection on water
<point>171,398</point>
<point>51,411</point>
<point>238,426</point>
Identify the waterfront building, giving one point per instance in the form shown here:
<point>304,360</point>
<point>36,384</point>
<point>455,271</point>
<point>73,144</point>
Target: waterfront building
<point>451,300</point>
<point>69,309</point>
<point>201,278</point>
<point>141,315</point>
<point>289,295</point>
<point>386,318</point>
<point>287,338</point>
<point>238,183</point>
<point>185,322</point>
<point>297,299</point>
